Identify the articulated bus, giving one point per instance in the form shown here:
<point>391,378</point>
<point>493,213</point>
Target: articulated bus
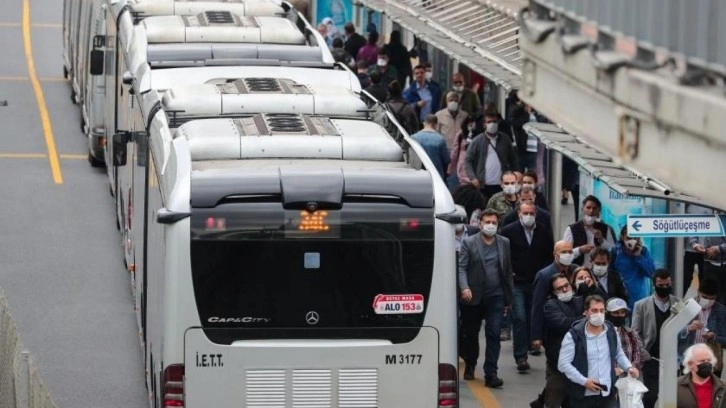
<point>220,98</point>
<point>291,260</point>
<point>89,24</point>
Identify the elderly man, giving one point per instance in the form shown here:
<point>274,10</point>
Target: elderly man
<point>451,117</point>
<point>699,387</point>
<point>468,99</point>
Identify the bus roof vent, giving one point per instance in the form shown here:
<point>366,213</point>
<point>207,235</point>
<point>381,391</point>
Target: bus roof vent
<point>285,123</point>
<point>262,85</point>
<point>218,17</point>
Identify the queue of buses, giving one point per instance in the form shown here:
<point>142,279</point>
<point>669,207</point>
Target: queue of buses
<point>289,244</point>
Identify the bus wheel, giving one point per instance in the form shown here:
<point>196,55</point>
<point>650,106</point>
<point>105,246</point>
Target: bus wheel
<point>94,162</point>
<point>65,72</point>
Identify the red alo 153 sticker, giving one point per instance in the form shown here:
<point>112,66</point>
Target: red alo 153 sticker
<point>398,304</point>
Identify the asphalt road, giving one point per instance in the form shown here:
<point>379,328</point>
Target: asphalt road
<point>62,270</point>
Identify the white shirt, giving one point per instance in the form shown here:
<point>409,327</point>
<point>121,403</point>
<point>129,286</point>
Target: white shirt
<point>589,232</point>
<point>493,170</point>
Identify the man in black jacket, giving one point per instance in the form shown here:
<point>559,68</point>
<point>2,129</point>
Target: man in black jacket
<point>609,282</point>
<point>353,41</point>
<point>531,244</point>
<point>561,310</point>
<point>589,233</point>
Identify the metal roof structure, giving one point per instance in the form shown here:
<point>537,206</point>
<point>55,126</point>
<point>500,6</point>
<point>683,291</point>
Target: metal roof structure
<point>483,35</point>
<point>601,166</point>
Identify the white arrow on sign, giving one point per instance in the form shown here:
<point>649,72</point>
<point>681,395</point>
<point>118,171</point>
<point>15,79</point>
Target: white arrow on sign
<point>674,225</point>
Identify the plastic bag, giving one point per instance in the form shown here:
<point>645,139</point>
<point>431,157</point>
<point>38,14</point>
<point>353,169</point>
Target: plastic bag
<point>630,392</point>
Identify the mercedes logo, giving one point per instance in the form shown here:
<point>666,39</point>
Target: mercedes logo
<point>312,317</point>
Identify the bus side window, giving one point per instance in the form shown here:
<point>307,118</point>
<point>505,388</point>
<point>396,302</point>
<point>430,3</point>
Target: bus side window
<point>96,65</point>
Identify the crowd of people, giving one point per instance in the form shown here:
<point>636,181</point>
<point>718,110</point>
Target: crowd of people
<point>592,297</point>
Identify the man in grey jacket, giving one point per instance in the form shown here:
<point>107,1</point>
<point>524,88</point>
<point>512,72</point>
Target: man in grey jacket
<point>485,280</point>
<point>489,155</point>
<point>649,314</point>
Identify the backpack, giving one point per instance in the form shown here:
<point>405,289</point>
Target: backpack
<point>398,114</point>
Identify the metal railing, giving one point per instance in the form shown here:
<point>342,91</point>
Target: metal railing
<point>20,382</point>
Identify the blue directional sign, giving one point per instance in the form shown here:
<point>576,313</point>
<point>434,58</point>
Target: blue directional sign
<point>676,225</point>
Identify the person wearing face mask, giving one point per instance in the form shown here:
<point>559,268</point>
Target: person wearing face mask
<point>589,233</point>
<point>634,264</point>
<point>710,325</point>
<point>630,341</point>
<point>562,265</point>
<point>468,100</point>
<point>529,178</point>
<point>609,283</point>
<point>589,355</point>
<point>485,281</point>
<point>489,156</point>
<point>456,171</point>
<point>384,68</point>
<point>648,317</point>
<point>423,95</point>
<point>430,74</point>
<point>526,143</point>
<point>530,243</point>
<point>463,230</point>
<point>527,194</point>
<point>583,282</point>
<point>451,118</point>
<point>561,311</point>
<point>699,387</point>
<point>505,200</point>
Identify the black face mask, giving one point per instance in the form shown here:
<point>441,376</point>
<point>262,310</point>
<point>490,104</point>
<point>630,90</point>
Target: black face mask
<point>704,370</point>
<point>663,292</point>
<point>617,321</point>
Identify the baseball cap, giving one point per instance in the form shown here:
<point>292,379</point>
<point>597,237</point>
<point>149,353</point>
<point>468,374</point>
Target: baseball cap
<point>616,303</point>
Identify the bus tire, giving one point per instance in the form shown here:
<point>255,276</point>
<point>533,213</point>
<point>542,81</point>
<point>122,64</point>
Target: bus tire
<point>94,162</point>
<point>65,72</point>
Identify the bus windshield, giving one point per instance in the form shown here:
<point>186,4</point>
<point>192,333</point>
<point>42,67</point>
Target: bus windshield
<point>257,265</point>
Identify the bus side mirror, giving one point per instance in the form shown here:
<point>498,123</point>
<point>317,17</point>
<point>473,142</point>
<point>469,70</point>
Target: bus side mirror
<point>96,62</point>
<point>164,216</point>
<point>120,148</point>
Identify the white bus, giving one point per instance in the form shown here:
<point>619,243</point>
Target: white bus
<point>220,98</point>
<point>88,24</point>
<point>292,260</point>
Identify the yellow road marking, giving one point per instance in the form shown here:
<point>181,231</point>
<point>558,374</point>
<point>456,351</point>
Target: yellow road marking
<point>34,25</point>
<point>41,156</point>
<point>481,392</point>
<point>41,79</point>
<point>44,116</point>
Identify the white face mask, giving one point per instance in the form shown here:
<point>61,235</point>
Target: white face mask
<point>517,188</point>
<point>453,106</point>
<point>600,270</point>
<point>509,189</point>
<point>566,259</point>
<point>492,128</point>
<point>428,75</point>
<point>597,319</point>
<point>489,229</point>
<point>630,244</point>
<point>458,88</point>
<point>705,303</point>
<point>565,297</point>
<point>528,184</point>
<point>382,62</point>
<point>528,220</point>
<point>588,219</point>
